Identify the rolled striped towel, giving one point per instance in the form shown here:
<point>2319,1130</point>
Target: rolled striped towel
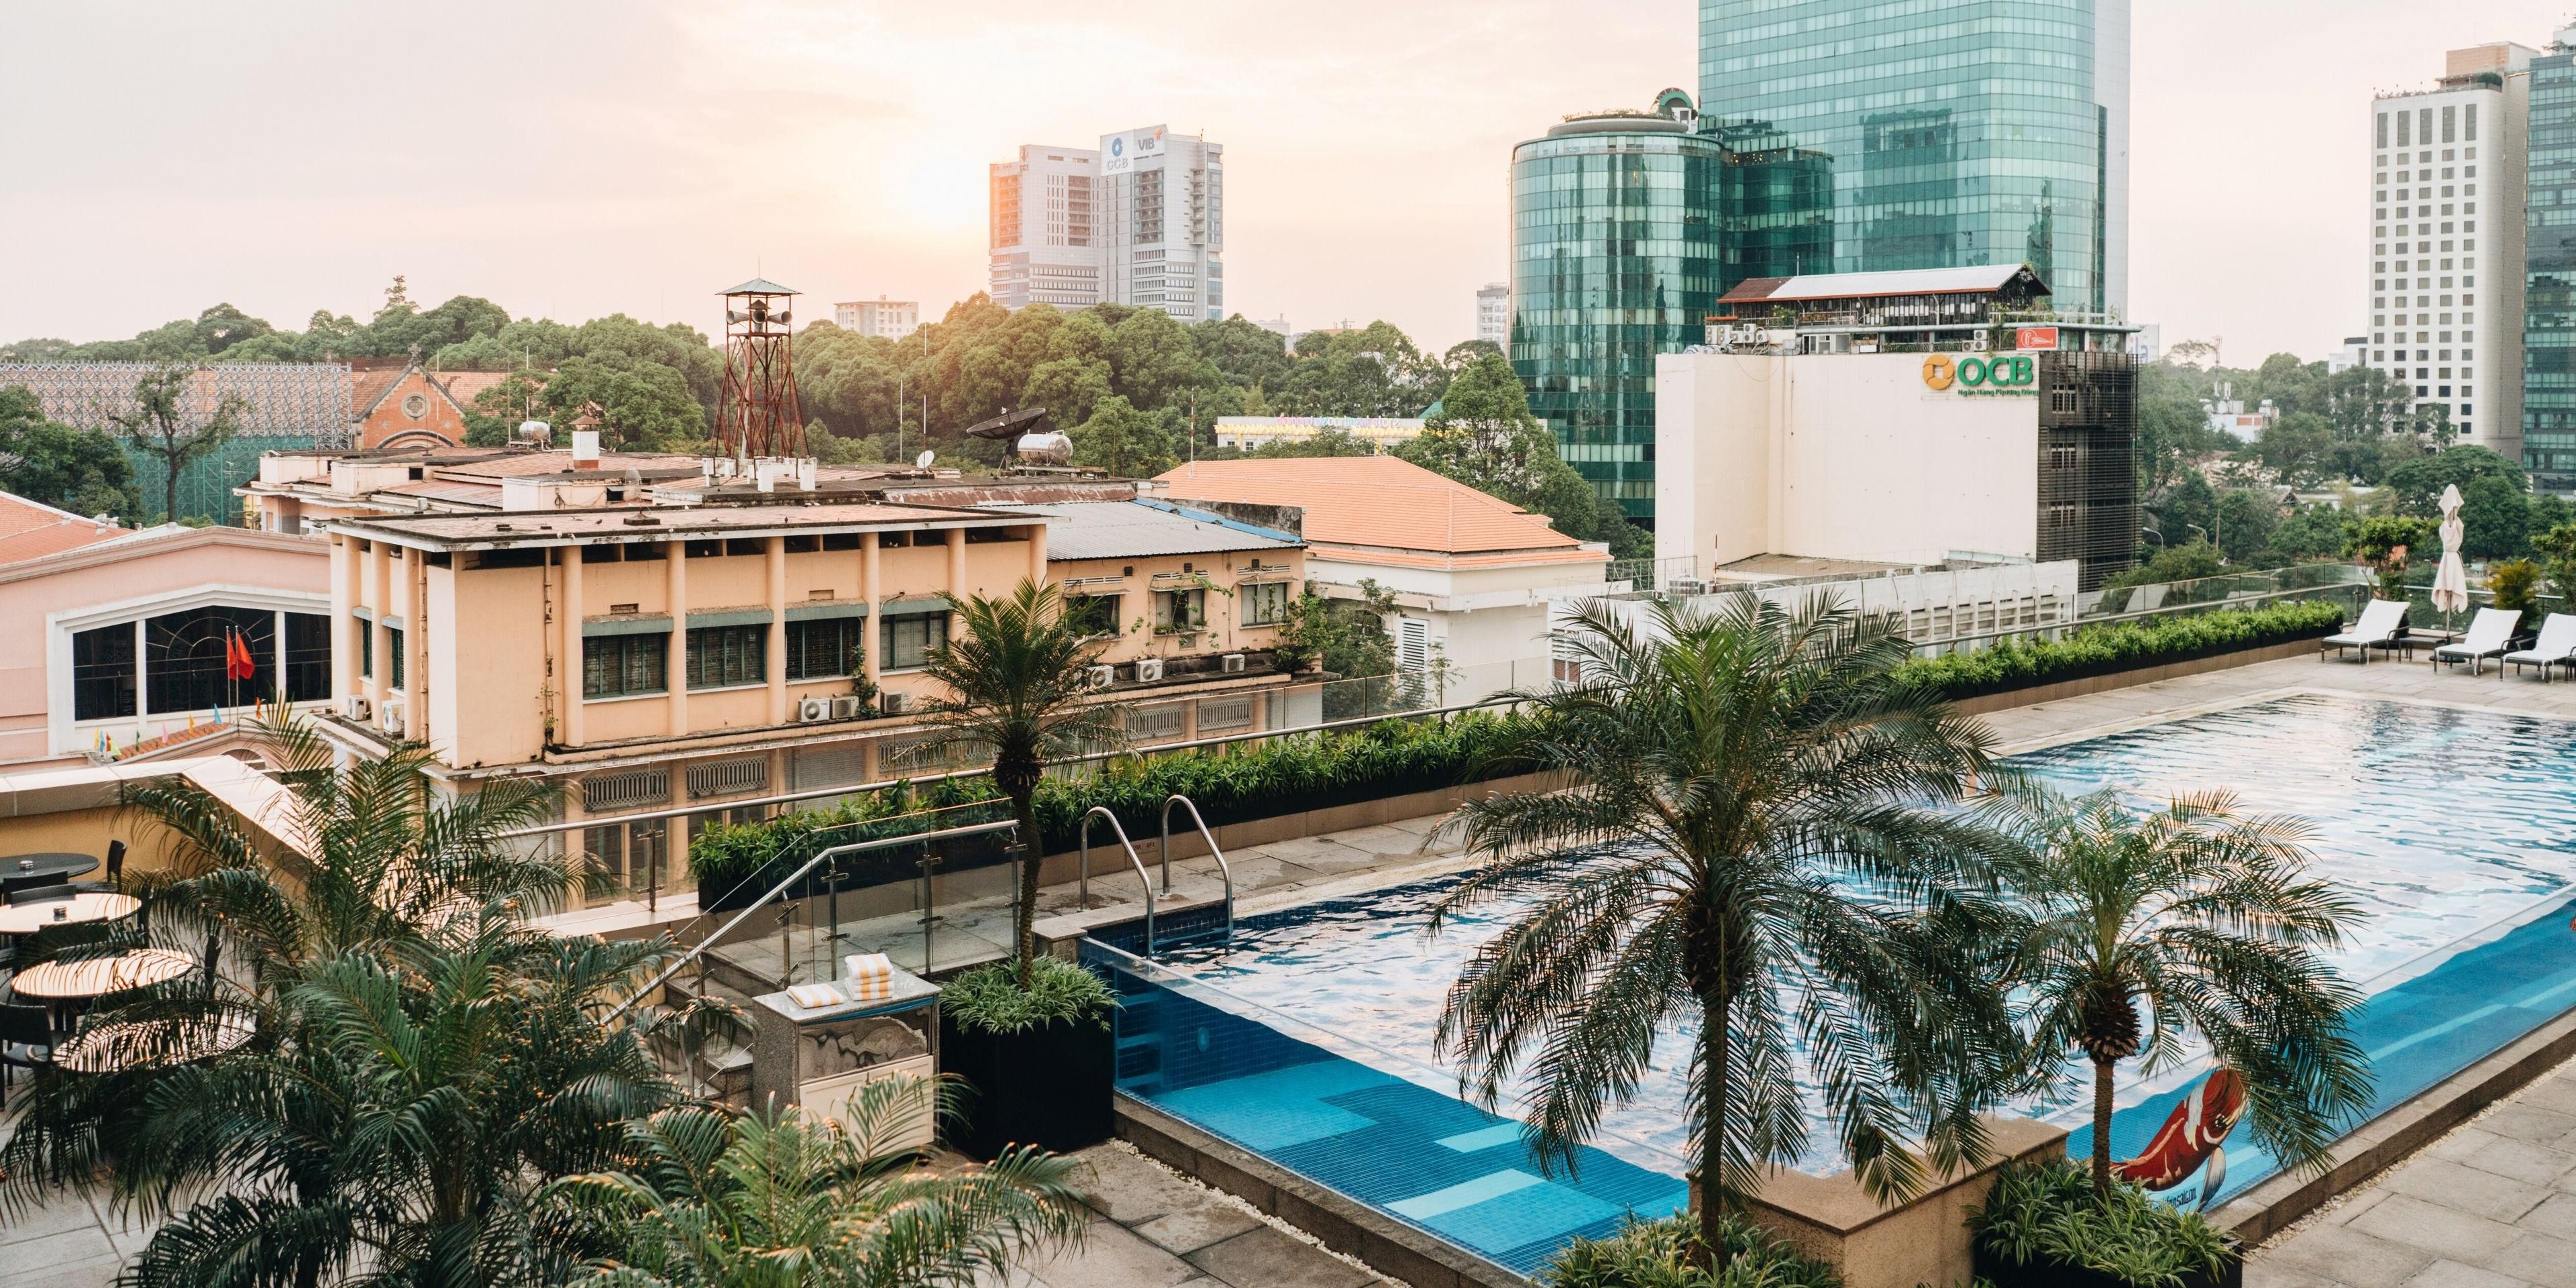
<point>867,977</point>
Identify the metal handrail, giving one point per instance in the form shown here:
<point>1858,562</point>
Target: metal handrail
<point>1084,890</point>
<point>854,847</point>
<point>2176,610</point>
<point>1223,869</point>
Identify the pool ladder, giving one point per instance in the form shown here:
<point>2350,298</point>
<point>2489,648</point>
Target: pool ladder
<point>1224,930</point>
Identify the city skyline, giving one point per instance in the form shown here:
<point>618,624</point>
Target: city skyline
<point>574,187</point>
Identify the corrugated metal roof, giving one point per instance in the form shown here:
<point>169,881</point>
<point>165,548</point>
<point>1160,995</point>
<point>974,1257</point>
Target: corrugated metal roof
<point>1144,529</point>
<point>1847,286</point>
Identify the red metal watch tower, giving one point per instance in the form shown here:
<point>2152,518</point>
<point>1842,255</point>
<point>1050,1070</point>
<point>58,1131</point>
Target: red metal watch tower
<point>759,414</point>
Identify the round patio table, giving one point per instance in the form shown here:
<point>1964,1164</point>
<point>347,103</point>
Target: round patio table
<point>99,976</point>
<point>61,867</point>
<point>141,1044</point>
<point>28,918</point>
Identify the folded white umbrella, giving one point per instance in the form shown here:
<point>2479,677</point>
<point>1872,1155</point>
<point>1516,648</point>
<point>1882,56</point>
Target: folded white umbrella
<point>2451,585</point>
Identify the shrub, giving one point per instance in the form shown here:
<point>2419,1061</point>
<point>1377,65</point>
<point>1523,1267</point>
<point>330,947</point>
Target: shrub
<point>735,862</point>
<point>2515,583</point>
<point>2119,646</point>
<point>989,999</point>
<point>2047,1214</point>
<point>1655,1254</point>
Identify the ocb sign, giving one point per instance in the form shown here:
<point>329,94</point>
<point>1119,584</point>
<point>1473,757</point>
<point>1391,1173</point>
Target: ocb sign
<point>2002,371</point>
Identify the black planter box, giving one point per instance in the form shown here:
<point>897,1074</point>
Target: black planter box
<point>1045,1086</point>
<point>2002,1274</point>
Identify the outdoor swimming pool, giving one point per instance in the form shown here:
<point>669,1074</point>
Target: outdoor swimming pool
<point>1308,1039</point>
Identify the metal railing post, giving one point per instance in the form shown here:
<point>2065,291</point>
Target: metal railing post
<point>1224,870</point>
<point>1103,811</point>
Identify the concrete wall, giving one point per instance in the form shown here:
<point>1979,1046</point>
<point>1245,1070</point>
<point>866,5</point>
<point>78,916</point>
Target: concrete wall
<point>1848,456</point>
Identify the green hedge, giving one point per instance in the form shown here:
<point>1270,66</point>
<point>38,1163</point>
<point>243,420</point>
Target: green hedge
<point>1284,776</point>
<point>735,863</point>
<point>2121,646</point>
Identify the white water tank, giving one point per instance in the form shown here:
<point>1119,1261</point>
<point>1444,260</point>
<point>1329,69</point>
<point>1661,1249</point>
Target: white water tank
<point>585,449</point>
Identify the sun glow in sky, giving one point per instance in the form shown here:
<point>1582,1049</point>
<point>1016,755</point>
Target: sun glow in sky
<point>582,157</point>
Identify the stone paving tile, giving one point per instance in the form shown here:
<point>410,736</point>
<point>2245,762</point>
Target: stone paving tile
<point>2538,1259</point>
<point>2457,1187</point>
<point>1267,1258</point>
<point>2452,1274</point>
<point>2346,1256</point>
<point>1191,1229</point>
<point>2521,1160</point>
<point>2438,1230</point>
<point>1111,1256</point>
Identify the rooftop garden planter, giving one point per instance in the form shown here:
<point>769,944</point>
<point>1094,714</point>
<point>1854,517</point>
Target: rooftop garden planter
<point>2042,1227</point>
<point>2113,647</point>
<point>1038,1062</point>
<point>735,864</point>
<point>1655,1254</point>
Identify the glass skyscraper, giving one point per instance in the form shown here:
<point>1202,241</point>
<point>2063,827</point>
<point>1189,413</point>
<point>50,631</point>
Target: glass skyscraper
<point>2549,276</point>
<point>1626,227</point>
<point>1957,132</point>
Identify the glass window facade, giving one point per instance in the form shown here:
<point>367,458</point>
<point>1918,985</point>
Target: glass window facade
<point>2549,284</point>
<point>1958,132</point>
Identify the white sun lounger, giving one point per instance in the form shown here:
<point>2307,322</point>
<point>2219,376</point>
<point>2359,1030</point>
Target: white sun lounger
<point>2490,633</point>
<point>2555,647</point>
<point>2382,621</point>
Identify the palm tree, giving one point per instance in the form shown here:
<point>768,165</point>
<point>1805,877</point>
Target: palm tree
<point>1752,842</point>
<point>713,1199</point>
<point>1019,688</point>
<point>2200,915</point>
<point>420,1055</point>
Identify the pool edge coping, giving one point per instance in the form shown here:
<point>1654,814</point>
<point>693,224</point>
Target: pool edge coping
<point>1342,1223</point>
<point>2280,1200</point>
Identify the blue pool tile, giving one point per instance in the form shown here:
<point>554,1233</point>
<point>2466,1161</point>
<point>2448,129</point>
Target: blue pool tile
<point>1423,1207</point>
<point>1482,1138</point>
<point>1541,1210</point>
<point>1278,1109</point>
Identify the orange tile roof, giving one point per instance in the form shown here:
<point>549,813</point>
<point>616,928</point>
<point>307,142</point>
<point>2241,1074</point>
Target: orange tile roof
<point>32,529</point>
<point>366,387</point>
<point>1388,510</point>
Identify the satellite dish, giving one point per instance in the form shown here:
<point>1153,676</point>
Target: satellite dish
<point>922,462</point>
<point>1005,426</point>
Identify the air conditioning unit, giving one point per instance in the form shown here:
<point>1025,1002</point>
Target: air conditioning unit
<point>354,707</point>
<point>894,704</point>
<point>1231,663</point>
<point>1149,670</point>
<point>389,717</point>
<point>1103,676</point>
<point>849,706</point>
<point>809,710</point>
<point>1980,342</point>
<point>1685,586</point>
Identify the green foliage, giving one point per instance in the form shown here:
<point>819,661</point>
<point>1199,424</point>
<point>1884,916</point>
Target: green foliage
<point>1122,440</point>
<point>1647,898</point>
<point>2557,546</point>
<point>160,426</point>
<point>2119,646</point>
<point>2190,560</point>
<point>2316,531</point>
<point>1667,1252</point>
<point>1347,636</point>
<point>989,999</point>
<point>2388,543</point>
<point>1485,437</point>
<point>79,470</point>
<point>703,1198</point>
<point>2495,518</point>
<point>640,405</point>
<point>2047,1214</point>
<point>2515,583</point>
<point>2417,483</point>
<point>734,862</point>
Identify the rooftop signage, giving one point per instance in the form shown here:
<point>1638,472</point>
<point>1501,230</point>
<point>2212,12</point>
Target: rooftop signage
<point>2004,373</point>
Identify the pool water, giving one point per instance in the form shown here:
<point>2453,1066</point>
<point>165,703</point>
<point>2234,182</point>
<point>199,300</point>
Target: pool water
<point>1309,1037</point>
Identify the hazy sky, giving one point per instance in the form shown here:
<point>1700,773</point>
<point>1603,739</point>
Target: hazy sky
<point>583,157</point>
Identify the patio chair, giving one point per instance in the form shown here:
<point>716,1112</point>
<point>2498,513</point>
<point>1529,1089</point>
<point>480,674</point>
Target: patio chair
<point>42,893</point>
<point>2490,634</point>
<point>2382,625</point>
<point>2555,647</point>
<point>12,885</point>
<point>115,882</point>
<point>26,1042</point>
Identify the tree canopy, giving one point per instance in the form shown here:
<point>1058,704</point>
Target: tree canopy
<point>80,470</point>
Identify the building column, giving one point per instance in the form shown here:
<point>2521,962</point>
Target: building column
<point>676,679</point>
<point>777,653</point>
<point>871,588</point>
<point>957,566</point>
<point>344,597</point>
<point>1037,554</point>
<point>380,599</point>
<point>568,661</point>
<point>415,646</point>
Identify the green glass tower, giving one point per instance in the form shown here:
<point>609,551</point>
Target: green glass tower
<point>2549,281</point>
<point>1958,132</point>
<point>1626,227</point>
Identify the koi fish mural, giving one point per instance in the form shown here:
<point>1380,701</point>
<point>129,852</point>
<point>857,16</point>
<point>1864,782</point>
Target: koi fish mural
<point>2191,1137</point>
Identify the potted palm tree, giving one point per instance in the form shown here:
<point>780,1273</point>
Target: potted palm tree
<point>707,1197</point>
<point>1736,776</point>
<point>2147,933</point>
<point>1030,1036</point>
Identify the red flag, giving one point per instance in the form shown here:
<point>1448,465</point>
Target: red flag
<point>238,663</point>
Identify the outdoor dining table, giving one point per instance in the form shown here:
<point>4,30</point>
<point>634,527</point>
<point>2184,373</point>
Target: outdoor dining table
<point>60,867</point>
<point>61,981</point>
<point>92,905</point>
<point>138,1044</point>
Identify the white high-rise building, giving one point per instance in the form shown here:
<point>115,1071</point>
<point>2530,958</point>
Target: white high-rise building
<point>1494,315</point>
<point>1045,241</point>
<point>1163,222</point>
<point>893,319</point>
<point>2447,171</point>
